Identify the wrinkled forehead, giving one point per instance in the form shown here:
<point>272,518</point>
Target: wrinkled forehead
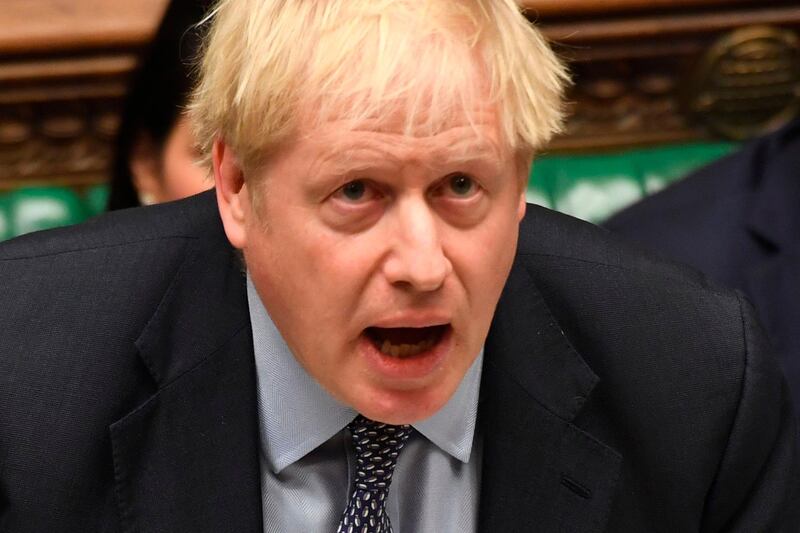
<point>428,135</point>
<point>375,144</point>
<point>411,117</point>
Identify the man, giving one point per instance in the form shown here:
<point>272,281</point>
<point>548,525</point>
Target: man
<point>738,221</point>
<point>347,334</point>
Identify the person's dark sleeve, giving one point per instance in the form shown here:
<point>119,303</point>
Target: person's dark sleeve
<point>757,484</point>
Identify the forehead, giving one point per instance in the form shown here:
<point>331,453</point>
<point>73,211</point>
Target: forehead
<point>392,142</point>
<point>423,113</point>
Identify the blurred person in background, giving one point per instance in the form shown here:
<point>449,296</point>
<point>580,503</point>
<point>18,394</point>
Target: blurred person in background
<point>738,221</point>
<point>155,153</point>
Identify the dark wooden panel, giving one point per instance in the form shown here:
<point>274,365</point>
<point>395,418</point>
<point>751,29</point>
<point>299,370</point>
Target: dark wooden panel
<point>565,8</point>
<point>55,26</point>
<point>64,69</point>
<point>641,68</point>
<point>64,66</point>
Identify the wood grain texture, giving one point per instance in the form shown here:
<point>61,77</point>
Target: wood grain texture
<point>558,8</point>
<point>667,25</point>
<point>37,26</point>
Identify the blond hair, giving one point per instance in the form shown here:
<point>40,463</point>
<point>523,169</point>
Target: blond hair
<point>268,65</point>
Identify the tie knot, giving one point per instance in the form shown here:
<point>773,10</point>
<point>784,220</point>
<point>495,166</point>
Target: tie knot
<point>377,446</point>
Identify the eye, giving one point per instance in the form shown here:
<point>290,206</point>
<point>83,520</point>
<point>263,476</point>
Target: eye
<point>357,192</point>
<point>354,191</point>
<point>354,206</point>
<point>457,186</point>
<point>461,184</point>
<point>461,199</point>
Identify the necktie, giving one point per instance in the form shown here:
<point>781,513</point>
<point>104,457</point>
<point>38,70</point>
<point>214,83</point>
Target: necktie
<point>377,447</point>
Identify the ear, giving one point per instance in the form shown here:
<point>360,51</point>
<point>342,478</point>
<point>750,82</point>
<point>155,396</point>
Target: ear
<point>523,175</point>
<point>145,167</point>
<point>232,197</point>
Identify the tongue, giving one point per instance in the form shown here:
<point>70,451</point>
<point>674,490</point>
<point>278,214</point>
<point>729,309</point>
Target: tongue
<point>403,335</point>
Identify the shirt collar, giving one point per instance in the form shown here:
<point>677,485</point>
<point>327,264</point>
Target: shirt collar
<point>297,415</point>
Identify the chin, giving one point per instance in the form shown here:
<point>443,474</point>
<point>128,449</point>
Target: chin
<point>405,406</point>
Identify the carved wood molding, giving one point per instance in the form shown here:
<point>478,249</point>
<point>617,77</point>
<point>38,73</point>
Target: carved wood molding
<point>635,72</point>
<point>64,69</point>
<point>66,142</point>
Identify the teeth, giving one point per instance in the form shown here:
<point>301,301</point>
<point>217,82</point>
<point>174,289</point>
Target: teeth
<point>406,350</point>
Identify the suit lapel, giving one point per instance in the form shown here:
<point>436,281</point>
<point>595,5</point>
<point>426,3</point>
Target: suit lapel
<point>540,472</point>
<point>187,459</point>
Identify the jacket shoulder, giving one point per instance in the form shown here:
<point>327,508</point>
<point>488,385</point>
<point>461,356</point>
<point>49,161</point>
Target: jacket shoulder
<point>192,218</point>
<point>548,237</point>
<point>612,299</point>
<point>687,390</point>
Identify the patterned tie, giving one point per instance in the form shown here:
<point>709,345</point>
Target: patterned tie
<point>377,448</point>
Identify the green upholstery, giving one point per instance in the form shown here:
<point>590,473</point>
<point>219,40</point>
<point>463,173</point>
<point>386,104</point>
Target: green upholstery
<point>591,187</point>
<point>5,223</point>
<point>35,208</point>
<point>95,199</point>
<point>588,187</point>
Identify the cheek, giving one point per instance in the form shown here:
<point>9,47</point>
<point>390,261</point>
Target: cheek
<point>313,270</point>
<point>483,256</point>
<point>345,268</point>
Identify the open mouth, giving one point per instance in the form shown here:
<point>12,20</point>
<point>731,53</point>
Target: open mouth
<point>406,342</point>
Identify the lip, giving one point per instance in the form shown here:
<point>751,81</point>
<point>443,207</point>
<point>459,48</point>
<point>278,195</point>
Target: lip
<point>409,369</point>
<point>413,320</point>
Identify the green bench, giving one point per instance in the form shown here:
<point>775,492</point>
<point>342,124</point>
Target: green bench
<point>591,187</point>
<point>30,209</point>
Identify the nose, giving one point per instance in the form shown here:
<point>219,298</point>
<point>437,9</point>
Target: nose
<point>417,258</point>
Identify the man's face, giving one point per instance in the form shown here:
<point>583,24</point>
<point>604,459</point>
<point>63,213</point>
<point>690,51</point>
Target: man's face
<point>380,256</point>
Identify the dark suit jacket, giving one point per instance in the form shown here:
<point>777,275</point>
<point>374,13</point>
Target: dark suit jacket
<point>738,220</point>
<point>619,393</point>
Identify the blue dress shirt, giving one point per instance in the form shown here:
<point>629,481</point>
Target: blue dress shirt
<point>307,462</point>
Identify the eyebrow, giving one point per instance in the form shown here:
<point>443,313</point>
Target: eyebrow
<point>348,159</point>
<point>473,152</point>
<point>484,157</point>
<point>466,150</point>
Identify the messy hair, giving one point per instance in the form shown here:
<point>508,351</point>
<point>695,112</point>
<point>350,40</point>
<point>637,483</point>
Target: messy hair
<point>270,65</point>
